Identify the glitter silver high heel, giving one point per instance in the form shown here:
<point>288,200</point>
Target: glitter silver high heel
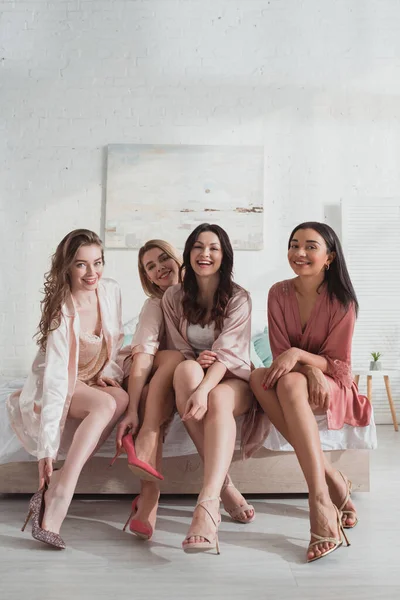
<point>36,512</point>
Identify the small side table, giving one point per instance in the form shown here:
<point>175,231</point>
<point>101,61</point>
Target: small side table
<point>385,374</point>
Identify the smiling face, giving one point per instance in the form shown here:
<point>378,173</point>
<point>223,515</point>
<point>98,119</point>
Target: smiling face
<point>87,268</point>
<point>160,269</point>
<point>206,254</point>
<point>308,254</point>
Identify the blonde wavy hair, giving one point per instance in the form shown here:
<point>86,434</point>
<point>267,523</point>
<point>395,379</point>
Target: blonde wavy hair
<point>150,288</point>
<point>57,283</point>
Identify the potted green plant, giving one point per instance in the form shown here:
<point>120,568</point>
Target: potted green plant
<point>375,365</point>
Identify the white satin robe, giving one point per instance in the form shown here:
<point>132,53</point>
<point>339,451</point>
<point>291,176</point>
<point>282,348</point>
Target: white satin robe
<point>38,412</point>
<point>149,336</point>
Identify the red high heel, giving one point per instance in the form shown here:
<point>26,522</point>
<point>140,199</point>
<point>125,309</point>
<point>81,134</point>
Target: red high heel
<point>143,531</point>
<point>139,467</point>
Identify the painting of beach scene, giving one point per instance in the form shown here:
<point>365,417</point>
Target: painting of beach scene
<point>165,191</point>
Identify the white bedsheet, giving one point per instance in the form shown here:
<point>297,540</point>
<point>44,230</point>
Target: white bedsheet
<point>178,442</point>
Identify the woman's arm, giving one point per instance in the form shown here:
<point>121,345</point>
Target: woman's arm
<point>333,358</point>
<point>140,371</point>
<point>144,346</point>
<point>55,391</point>
<point>307,359</point>
<point>213,377</point>
<point>175,339</point>
<point>197,403</point>
<point>232,346</point>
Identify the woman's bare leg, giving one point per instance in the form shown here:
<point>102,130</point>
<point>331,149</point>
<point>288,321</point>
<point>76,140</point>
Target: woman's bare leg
<point>268,400</point>
<point>96,408</point>
<point>188,377</point>
<point>121,400</point>
<point>159,405</point>
<point>150,494</point>
<point>156,408</point>
<point>228,400</point>
<point>302,429</point>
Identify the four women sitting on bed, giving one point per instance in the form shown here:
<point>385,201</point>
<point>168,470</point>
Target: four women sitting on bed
<point>191,347</point>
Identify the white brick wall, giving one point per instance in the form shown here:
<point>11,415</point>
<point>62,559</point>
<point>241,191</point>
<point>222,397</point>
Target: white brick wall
<point>316,83</point>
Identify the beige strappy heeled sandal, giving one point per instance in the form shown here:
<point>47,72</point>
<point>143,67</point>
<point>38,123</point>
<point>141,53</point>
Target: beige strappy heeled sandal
<point>235,511</point>
<point>347,513</point>
<point>336,541</point>
<point>209,544</point>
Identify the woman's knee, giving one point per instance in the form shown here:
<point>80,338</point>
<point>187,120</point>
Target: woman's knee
<point>188,372</point>
<point>107,405</point>
<point>121,399</point>
<point>291,386</point>
<point>219,404</point>
<point>256,378</point>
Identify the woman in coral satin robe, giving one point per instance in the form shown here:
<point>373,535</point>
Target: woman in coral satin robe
<point>311,320</point>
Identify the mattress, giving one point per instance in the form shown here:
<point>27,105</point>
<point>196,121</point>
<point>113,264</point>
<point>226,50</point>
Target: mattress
<point>178,443</point>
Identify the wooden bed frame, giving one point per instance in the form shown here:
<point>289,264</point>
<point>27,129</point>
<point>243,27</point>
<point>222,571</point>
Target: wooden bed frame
<point>266,473</point>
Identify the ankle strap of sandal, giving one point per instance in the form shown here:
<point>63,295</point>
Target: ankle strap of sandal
<point>201,503</point>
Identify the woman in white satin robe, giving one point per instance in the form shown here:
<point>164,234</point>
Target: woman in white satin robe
<point>74,378</point>
<point>39,410</point>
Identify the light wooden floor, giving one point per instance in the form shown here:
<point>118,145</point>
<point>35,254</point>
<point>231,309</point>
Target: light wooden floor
<point>262,560</point>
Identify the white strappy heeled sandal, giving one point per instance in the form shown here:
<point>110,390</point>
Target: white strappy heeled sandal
<point>210,543</point>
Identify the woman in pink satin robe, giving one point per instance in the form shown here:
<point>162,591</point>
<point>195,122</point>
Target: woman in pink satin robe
<point>148,373</point>
<point>74,377</point>
<point>207,319</point>
<point>311,321</point>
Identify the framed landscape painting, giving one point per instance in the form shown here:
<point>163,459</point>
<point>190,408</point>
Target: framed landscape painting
<point>166,191</point>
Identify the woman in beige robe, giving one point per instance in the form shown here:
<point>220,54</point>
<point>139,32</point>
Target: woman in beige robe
<point>207,319</point>
<point>148,372</point>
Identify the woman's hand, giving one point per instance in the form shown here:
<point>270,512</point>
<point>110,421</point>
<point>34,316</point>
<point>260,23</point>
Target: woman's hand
<point>129,424</point>
<point>206,358</point>
<point>318,388</point>
<point>45,466</point>
<point>282,365</point>
<point>106,381</point>
<point>196,406</point>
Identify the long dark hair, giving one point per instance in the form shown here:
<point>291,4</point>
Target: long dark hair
<point>193,312</point>
<point>337,277</point>
<point>57,281</point>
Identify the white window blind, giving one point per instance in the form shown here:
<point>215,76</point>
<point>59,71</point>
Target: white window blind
<point>371,242</point>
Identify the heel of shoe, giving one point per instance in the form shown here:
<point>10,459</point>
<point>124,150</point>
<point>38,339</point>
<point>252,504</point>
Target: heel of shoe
<point>117,454</point>
<point>344,534</point>
<point>27,520</point>
<point>129,519</point>
<point>133,511</point>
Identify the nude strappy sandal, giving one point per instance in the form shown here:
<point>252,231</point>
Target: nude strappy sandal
<point>209,544</point>
<point>347,513</point>
<point>336,541</point>
<point>240,508</point>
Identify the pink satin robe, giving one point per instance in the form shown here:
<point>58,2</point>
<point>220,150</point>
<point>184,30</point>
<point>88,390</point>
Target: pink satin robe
<point>39,411</point>
<point>328,333</point>
<point>149,336</point>
<point>232,344</point>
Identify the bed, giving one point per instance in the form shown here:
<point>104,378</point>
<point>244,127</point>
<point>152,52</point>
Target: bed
<point>273,470</point>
